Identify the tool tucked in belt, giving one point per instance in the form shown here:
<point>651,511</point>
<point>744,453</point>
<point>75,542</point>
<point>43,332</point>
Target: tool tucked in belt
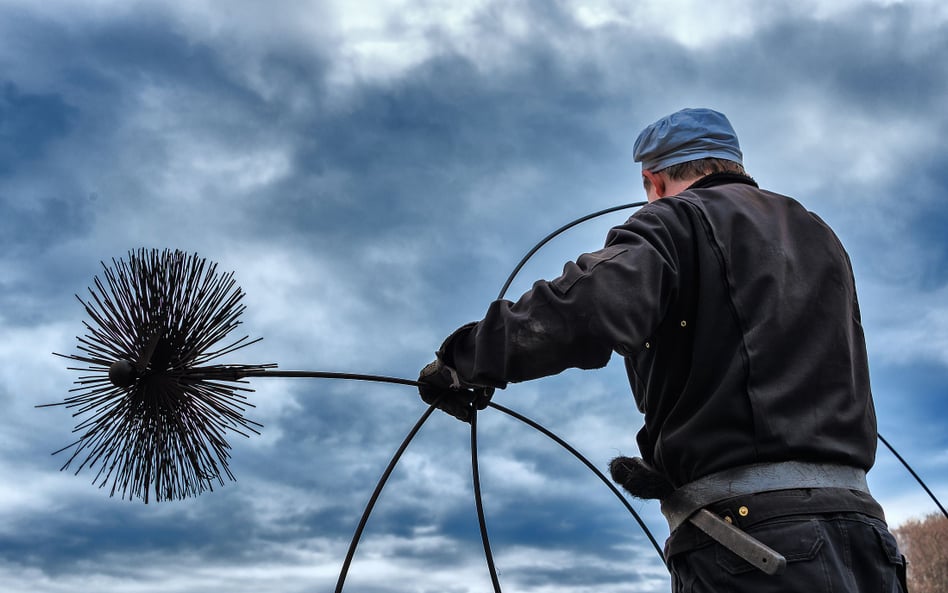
<point>689,502</point>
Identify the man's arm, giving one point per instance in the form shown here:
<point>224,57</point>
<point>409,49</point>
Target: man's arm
<point>608,300</point>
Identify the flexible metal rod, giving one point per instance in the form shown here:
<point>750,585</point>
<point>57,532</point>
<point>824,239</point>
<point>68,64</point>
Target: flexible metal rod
<point>914,475</point>
<point>479,505</point>
<point>533,424</point>
<point>357,536</point>
<point>328,375</point>
<point>588,464</point>
<point>554,234</point>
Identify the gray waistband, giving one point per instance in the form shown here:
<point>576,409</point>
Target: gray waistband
<point>751,479</point>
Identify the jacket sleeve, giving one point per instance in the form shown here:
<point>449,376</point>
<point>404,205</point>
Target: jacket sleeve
<point>606,301</point>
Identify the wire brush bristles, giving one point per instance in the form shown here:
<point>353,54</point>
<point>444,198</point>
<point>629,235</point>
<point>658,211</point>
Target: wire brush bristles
<point>155,414</point>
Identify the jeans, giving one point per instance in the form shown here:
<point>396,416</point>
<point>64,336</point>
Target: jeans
<point>826,553</point>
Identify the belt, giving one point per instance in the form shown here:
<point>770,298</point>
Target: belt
<point>688,502</point>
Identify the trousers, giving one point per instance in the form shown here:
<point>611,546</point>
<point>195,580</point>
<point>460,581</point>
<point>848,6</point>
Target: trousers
<point>826,553</point>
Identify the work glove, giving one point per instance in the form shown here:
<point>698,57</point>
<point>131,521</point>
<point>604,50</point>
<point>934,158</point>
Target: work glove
<point>441,386</point>
<point>640,479</point>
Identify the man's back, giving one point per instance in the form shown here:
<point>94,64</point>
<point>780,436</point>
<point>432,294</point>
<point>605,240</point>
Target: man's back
<point>760,356</point>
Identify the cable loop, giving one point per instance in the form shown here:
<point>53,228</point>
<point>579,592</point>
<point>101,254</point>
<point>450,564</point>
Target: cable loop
<point>478,499</point>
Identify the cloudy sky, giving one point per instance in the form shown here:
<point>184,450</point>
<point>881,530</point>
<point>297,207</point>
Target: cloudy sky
<point>371,172</point>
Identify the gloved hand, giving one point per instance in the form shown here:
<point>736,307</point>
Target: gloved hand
<point>640,479</point>
<point>441,386</point>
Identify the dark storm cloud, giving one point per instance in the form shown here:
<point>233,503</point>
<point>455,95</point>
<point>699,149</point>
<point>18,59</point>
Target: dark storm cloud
<point>875,61</point>
<point>416,147</point>
<point>923,383</point>
<point>43,221</point>
<point>927,217</point>
<point>414,150</point>
<point>870,58</point>
<point>35,219</point>
<point>28,124</point>
<point>62,543</point>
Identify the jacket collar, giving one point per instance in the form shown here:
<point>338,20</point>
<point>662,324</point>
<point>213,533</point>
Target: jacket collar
<point>716,179</point>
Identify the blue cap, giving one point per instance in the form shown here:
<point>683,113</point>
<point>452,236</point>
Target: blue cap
<point>687,135</point>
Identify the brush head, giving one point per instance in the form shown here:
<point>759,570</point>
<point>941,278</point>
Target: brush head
<point>122,373</point>
<point>154,414</point>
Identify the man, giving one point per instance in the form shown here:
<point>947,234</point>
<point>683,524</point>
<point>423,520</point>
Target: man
<point>736,312</point>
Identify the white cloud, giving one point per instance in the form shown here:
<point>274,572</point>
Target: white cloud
<point>48,491</point>
<point>522,562</point>
<point>909,504</point>
<point>905,326</point>
<point>385,563</point>
<point>306,306</point>
<point>515,476</point>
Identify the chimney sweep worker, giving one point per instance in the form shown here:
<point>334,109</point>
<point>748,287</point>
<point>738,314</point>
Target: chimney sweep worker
<point>735,310</point>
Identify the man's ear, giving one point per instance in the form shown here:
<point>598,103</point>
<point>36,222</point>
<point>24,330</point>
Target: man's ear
<point>657,181</point>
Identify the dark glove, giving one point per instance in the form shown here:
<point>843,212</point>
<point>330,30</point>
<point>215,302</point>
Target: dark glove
<point>640,479</point>
<point>441,386</point>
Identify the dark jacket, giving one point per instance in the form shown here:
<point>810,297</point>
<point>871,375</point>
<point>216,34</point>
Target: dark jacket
<point>735,309</point>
